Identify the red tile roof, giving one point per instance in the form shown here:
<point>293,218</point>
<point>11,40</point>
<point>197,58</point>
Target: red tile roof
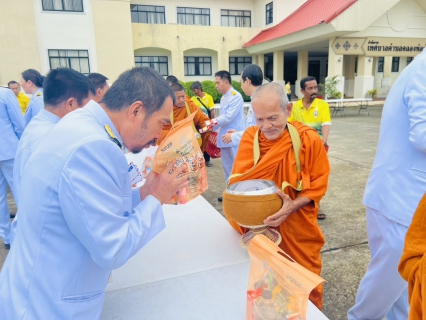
<point>310,14</point>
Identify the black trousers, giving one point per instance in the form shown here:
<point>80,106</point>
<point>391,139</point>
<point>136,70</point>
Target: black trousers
<point>206,156</point>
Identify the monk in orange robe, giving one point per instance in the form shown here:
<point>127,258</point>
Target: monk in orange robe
<point>412,266</point>
<point>296,221</point>
<point>180,112</point>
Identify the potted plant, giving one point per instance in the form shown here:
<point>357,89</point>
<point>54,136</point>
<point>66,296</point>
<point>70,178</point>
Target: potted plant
<point>330,88</point>
<point>372,93</point>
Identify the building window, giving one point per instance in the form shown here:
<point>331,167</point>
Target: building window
<point>409,60</point>
<point>74,59</point>
<point>237,64</point>
<point>235,18</point>
<point>159,64</point>
<point>198,66</point>
<point>395,64</point>
<point>269,13</point>
<point>193,16</point>
<point>62,5</point>
<point>148,14</point>
<point>380,63</point>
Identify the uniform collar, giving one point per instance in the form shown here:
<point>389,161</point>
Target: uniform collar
<point>102,117</point>
<point>37,91</point>
<point>229,91</point>
<point>49,116</point>
<point>311,106</point>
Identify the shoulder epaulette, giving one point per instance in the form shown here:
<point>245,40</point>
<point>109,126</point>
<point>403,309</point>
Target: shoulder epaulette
<point>38,94</point>
<point>233,93</point>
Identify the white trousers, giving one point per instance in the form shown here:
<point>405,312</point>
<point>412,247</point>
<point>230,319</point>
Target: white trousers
<point>227,156</point>
<point>382,292</point>
<point>6,177</point>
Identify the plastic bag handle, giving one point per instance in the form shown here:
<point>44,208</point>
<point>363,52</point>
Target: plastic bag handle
<point>285,255</point>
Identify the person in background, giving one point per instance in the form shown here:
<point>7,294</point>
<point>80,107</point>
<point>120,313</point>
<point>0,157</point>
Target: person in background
<point>231,117</point>
<point>101,85</point>
<point>205,103</point>
<point>23,100</point>
<point>288,90</point>
<point>32,83</point>
<point>12,126</point>
<point>312,112</point>
<point>65,90</point>
<point>251,79</point>
<point>79,217</point>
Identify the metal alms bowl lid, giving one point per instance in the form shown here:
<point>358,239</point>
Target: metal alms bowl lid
<point>252,187</point>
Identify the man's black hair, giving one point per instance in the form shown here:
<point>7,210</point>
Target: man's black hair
<point>12,82</point>
<point>172,80</point>
<point>177,87</point>
<point>98,80</point>
<point>34,76</point>
<point>138,84</point>
<point>197,85</point>
<point>224,75</point>
<point>63,83</point>
<point>304,80</point>
<point>254,73</point>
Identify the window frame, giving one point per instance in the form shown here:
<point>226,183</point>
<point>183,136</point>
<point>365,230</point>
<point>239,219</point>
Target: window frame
<point>156,12</point>
<point>395,64</point>
<point>63,6</point>
<point>193,14</point>
<point>234,16</point>
<point>185,63</point>
<point>409,60</point>
<point>237,72</point>
<point>69,58</point>
<point>270,11</point>
<point>380,64</point>
<point>158,62</point>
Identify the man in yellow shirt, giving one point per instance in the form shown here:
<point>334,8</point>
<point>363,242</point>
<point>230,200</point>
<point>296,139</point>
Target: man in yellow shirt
<point>23,100</point>
<point>202,100</point>
<point>312,112</point>
<point>288,90</point>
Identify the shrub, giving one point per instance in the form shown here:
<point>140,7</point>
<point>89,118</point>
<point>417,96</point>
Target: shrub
<point>210,88</point>
<point>187,86</point>
<point>372,93</point>
<point>237,86</point>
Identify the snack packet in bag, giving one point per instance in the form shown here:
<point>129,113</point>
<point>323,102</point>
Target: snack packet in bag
<point>182,144</point>
<point>278,286</point>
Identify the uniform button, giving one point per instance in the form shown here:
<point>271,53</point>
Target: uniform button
<point>125,214</point>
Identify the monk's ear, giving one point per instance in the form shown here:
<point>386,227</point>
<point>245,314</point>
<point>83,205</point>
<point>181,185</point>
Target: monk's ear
<point>289,108</point>
<point>136,111</point>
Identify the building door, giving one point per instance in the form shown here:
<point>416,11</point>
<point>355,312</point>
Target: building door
<point>269,66</point>
<point>314,69</point>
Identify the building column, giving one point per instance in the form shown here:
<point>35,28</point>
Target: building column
<point>178,68</point>
<point>302,70</point>
<point>335,67</point>
<point>279,67</point>
<point>261,63</point>
<point>349,74</point>
<point>364,79</point>
<point>222,60</point>
<point>387,71</point>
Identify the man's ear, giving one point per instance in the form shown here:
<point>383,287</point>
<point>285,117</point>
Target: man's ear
<point>136,110</point>
<point>289,108</point>
<point>98,92</point>
<point>71,104</point>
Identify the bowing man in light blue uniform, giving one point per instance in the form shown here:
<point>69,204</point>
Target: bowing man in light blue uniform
<point>395,187</point>
<point>12,126</point>
<point>231,117</point>
<point>32,83</point>
<point>78,215</point>
<point>65,90</point>
<point>251,79</point>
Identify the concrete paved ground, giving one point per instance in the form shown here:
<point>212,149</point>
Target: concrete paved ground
<point>352,141</point>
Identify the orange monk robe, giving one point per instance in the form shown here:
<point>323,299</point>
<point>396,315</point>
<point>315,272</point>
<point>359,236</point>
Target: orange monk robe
<point>199,121</point>
<point>412,266</point>
<point>302,236</point>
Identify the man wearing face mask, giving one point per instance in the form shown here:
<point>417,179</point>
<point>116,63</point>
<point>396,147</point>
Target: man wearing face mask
<point>79,217</point>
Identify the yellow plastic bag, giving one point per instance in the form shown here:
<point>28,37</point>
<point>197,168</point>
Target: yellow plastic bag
<point>182,145</point>
<point>278,286</point>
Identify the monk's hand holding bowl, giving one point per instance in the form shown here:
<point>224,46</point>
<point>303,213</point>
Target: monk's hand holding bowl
<point>288,207</point>
<point>227,137</point>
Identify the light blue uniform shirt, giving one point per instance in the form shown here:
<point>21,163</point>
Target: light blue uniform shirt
<point>35,130</point>
<point>231,116</point>
<point>12,124</point>
<point>36,104</point>
<point>397,180</point>
<point>250,122</point>
<point>78,219</point>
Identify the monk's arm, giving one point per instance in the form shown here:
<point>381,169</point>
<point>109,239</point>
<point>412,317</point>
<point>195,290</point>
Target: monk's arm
<point>289,206</point>
<point>415,246</point>
<point>325,130</point>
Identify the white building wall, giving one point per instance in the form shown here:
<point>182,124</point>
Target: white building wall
<point>65,30</point>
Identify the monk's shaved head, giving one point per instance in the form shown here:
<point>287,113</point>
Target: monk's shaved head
<point>272,89</point>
